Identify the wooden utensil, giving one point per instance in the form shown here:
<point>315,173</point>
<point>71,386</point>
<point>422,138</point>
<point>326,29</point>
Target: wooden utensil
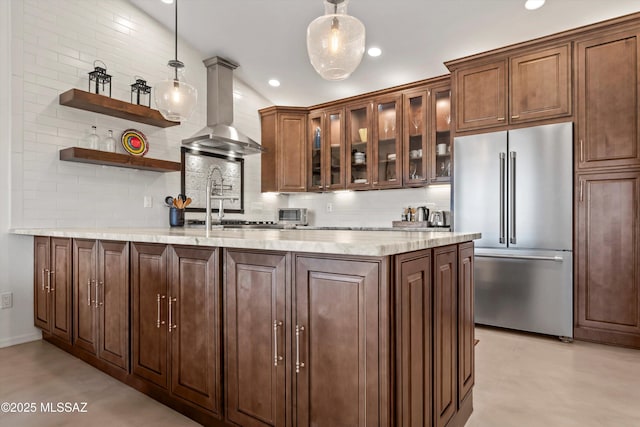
<point>187,202</point>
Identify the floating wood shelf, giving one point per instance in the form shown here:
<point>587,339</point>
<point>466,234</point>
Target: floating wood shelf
<point>96,157</point>
<point>88,101</point>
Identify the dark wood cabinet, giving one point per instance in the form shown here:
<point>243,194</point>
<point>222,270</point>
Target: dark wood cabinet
<point>326,142</point>
<point>359,133</point>
<point>257,365</point>
<point>339,355</point>
<point>607,291</point>
<point>481,96</point>
<point>193,324</point>
<point>284,138</point>
<point>495,90</point>
<point>607,123</point>
<point>52,286</point>
<point>466,322</point>
<point>540,84</point>
<point>414,337</point>
<point>386,147</point>
<point>101,300</point>
<point>149,305</point>
<point>445,334</point>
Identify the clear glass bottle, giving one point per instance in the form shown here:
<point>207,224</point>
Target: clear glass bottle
<point>108,143</point>
<point>91,140</point>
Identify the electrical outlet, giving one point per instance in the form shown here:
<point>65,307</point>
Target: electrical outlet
<point>6,300</point>
<point>329,207</point>
<point>148,201</point>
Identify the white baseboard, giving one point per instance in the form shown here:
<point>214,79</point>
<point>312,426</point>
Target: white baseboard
<point>7,342</point>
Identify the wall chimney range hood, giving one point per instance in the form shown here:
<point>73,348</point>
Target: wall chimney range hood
<point>219,135</point>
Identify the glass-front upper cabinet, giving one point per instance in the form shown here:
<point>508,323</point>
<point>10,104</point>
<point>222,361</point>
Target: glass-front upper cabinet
<point>358,146</point>
<point>441,134</point>
<point>415,151</point>
<point>387,143</point>
<point>326,150</point>
<point>315,179</point>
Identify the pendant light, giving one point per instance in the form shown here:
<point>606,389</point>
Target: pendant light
<point>175,98</point>
<point>335,41</point>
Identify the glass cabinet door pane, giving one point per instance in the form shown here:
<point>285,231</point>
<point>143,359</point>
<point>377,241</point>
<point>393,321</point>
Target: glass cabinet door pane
<point>387,168</point>
<point>316,152</point>
<point>442,166</point>
<point>335,173</point>
<point>415,151</point>
<point>359,149</point>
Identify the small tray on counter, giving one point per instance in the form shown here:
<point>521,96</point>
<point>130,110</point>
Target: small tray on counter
<point>410,224</point>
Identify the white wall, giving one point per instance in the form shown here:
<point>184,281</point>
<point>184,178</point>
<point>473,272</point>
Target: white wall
<point>47,47</point>
<point>368,208</point>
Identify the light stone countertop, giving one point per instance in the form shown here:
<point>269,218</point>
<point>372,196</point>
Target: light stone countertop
<point>348,242</point>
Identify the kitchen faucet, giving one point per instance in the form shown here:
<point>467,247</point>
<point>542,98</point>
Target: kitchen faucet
<point>215,191</point>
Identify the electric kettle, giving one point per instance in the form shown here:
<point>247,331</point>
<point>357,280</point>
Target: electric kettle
<point>436,219</point>
<point>423,214</point>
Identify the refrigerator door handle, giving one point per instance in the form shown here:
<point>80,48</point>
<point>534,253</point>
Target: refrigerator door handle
<point>512,198</point>
<point>529,257</point>
<point>502,196</point>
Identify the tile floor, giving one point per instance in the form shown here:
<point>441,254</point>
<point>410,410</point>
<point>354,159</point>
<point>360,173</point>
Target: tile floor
<point>522,380</point>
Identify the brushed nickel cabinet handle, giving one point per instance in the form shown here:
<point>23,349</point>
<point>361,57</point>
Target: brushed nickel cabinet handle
<point>581,194</point>
<point>276,324</point>
<point>43,270</point>
<point>159,322</point>
<point>95,302</point>
<point>49,280</point>
<point>500,119</point>
<point>299,364</point>
<point>48,286</point>
<point>581,151</point>
<point>515,117</point>
<point>102,300</point>
<point>171,325</point>
<point>89,292</point>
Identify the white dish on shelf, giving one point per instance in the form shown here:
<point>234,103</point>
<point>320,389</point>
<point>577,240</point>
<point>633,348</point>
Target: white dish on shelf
<point>391,156</point>
<point>360,181</point>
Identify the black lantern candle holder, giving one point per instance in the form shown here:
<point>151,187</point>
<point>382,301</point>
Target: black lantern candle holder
<point>141,89</point>
<point>99,76</point>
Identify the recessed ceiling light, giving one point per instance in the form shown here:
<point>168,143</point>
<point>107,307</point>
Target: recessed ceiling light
<point>274,82</point>
<point>533,4</point>
<point>374,51</point>
<point>167,1</point>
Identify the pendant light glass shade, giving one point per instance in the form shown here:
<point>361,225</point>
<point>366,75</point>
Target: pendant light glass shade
<point>175,98</point>
<point>335,41</point>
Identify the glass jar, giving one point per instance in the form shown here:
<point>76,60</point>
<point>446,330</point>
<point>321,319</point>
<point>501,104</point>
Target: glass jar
<point>90,141</point>
<point>108,143</point>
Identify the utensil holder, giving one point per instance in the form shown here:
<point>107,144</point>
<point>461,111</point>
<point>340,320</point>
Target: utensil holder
<point>176,217</point>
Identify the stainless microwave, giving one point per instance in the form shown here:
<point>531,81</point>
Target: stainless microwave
<point>297,216</point>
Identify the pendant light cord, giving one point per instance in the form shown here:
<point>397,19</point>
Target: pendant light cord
<point>176,14</point>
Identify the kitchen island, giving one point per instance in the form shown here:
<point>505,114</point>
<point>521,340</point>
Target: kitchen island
<point>269,327</point>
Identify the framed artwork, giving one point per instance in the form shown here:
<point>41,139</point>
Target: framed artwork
<point>226,172</point>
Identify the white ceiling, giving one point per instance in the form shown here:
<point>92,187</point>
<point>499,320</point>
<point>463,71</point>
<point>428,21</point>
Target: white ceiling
<point>268,38</point>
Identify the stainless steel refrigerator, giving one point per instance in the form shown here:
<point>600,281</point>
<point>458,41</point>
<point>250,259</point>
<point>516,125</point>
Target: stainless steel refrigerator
<point>516,189</point>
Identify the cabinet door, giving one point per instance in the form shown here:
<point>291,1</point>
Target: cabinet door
<point>466,324</point>
<point>113,303</point>
<point>149,312</point>
<point>41,254</point>
<point>440,134</point>
<point>359,135</point>
<point>315,171</point>
<point>540,85</point>
<point>195,326</point>
<point>414,337</point>
<point>387,142</point>
<point>336,343</point>
<point>334,160</point>
<point>445,334</point>
<point>60,272</point>
<point>255,325</point>
<point>481,96</point>
<point>608,101</point>
<point>85,288</point>
<point>291,152</point>
<point>608,244</point>
<point>415,151</point>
